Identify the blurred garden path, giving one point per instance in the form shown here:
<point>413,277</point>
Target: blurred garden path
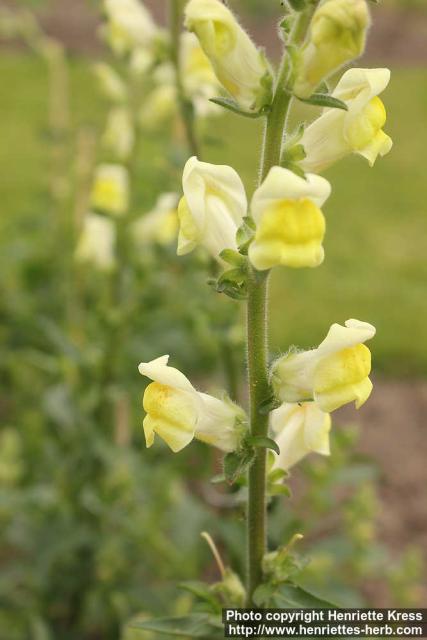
<point>394,434</point>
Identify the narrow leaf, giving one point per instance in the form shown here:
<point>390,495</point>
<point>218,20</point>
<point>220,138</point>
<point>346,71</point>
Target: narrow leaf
<point>325,100</point>
<point>231,105</point>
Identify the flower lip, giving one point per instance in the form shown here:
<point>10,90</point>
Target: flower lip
<point>342,337</point>
<point>299,430</point>
<point>159,371</point>
<point>283,184</point>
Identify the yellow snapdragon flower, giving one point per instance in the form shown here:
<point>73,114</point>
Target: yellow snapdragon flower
<point>110,189</point>
<point>337,133</point>
<point>290,223</point>
<point>299,429</point>
<point>212,208</point>
<point>178,413</point>
<point>96,244</point>
<point>129,25</point>
<point>240,67</point>
<point>160,225</point>
<point>334,374</point>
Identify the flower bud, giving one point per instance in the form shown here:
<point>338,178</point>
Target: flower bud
<point>338,133</point>
<point>110,82</point>
<point>299,429</point>
<point>119,135</point>
<point>178,413</point>
<point>334,374</point>
<point>97,241</point>
<point>110,190</point>
<point>290,224</point>
<point>129,25</point>
<point>337,35</point>
<point>212,208</point>
<point>240,67</point>
<point>159,106</point>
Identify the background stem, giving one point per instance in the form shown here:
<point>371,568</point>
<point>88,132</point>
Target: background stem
<point>185,105</point>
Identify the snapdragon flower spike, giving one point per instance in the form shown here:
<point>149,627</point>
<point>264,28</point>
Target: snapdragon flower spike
<point>212,209</point>
<point>334,374</point>
<point>337,133</point>
<point>96,244</point>
<point>110,189</point>
<point>239,65</point>
<point>337,35</point>
<point>290,225</point>
<point>178,413</point>
<point>299,429</point>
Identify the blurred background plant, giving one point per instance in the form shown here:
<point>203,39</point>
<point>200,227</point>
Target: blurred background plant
<point>93,528</point>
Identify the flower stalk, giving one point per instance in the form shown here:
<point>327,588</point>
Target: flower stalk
<point>257,320</point>
<point>257,348</point>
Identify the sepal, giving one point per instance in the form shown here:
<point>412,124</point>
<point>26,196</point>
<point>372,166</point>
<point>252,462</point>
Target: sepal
<point>236,464</point>
<point>232,283</point>
<point>245,234</point>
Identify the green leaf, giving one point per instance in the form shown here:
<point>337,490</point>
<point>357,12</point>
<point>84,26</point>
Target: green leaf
<point>291,595</point>
<point>262,442</point>
<point>325,100</point>
<point>231,105</point>
<point>191,626</point>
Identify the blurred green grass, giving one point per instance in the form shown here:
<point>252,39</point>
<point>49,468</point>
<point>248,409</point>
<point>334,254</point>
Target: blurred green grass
<point>375,267</point>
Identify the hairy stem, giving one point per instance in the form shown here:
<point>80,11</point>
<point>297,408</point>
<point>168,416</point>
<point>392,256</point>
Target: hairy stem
<point>257,341</point>
<point>185,105</point>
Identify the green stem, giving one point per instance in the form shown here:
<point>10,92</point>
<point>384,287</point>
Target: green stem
<point>185,105</point>
<point>257,340</point>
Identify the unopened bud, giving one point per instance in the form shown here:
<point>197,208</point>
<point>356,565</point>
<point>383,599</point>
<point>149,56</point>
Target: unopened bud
<point>337,35</point>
